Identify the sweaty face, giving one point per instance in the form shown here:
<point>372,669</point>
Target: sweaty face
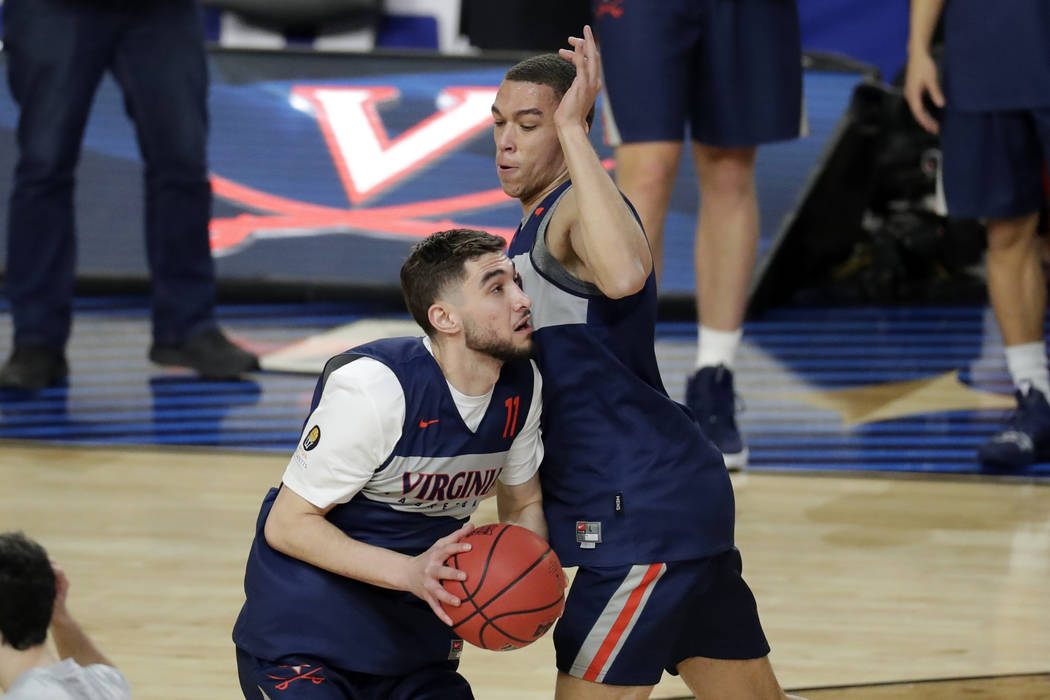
<point>495,311</point>
<point>528,155</point>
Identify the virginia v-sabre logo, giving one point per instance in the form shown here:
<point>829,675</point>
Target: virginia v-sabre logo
<point>371,165</point>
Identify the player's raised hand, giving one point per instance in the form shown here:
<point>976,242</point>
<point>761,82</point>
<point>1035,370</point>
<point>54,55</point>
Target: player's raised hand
<point>429,570</point>
<point>921,79</point>
<point>580,97</point>
<point>61,590</point>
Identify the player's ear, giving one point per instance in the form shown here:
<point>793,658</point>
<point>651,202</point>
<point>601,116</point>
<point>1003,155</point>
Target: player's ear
<point>443,318</point>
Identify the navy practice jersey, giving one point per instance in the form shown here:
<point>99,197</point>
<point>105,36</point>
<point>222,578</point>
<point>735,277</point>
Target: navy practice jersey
<point>627,475</point>
<point>997,55</point>
<point>437,473</point>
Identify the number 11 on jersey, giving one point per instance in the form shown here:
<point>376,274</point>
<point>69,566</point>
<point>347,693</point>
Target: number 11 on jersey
<point>512,416</point>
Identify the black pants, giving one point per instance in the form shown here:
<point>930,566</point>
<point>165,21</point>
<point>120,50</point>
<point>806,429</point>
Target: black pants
<point>57,52</point>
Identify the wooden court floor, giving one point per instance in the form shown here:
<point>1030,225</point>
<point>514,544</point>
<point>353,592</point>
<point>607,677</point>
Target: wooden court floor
<point>883,587</point>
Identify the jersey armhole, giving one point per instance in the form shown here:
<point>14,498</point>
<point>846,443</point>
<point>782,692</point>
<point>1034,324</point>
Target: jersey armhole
<point>549,266</point>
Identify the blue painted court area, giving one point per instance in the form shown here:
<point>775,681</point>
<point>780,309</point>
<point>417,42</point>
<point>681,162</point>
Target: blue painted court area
<point>870,389</point>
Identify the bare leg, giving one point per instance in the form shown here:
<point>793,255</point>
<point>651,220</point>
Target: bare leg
<point>646,172</point>
<point>1017,289</point>
<point>721,679</point>
<point>726,234</point>
<point>1015,279</point>
<point>572,688</point>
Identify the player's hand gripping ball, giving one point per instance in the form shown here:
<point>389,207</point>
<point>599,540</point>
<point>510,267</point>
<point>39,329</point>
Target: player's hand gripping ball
<point>515,588</point>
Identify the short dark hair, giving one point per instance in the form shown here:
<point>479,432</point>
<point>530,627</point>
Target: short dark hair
<point>548,69</point>
<point>437,261</point>
<point>27,591</point>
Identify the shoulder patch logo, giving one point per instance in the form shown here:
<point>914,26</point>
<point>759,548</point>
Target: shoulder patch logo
<point>312,438</point>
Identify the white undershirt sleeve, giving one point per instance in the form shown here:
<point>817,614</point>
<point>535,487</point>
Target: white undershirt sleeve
<point>526,452</point>
<point>359,418</point>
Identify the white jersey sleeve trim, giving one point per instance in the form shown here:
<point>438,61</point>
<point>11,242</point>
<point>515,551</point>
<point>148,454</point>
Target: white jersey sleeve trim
<point>358,421</point>
<point>526,452</point>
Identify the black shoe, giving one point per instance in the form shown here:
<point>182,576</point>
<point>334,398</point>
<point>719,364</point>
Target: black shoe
<point>209,353</point>
<point>1025,439</point>
<point>32,368</point>
<point>710,396</point>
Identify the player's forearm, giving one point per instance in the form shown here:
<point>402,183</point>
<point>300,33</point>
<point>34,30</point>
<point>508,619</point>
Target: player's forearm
<point>530,517</point>
<point>608,238</point>
<point>72,642</point>
<point>923,20</point>
<point>522,505</point>
<point>315,540</point>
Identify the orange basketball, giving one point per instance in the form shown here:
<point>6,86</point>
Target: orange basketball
<point>514,592</point>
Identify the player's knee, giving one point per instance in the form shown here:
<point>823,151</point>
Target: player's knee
<point>649,174</point>
<point>731,177</point>
<point>1007,234</point>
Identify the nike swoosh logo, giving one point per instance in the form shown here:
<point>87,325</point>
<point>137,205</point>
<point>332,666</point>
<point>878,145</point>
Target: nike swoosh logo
<point>425,423</point>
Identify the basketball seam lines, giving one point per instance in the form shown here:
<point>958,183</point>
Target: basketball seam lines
<point>480,610</point>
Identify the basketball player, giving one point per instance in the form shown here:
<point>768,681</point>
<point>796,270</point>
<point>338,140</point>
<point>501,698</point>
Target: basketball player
<point>406,436</point>
<point>33,595</point>
<point>995,141</point>
<point>732,71</point>
<point>634,495</point>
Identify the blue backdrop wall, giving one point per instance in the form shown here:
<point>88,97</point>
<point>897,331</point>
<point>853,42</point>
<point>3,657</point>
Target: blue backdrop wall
<point>873,31</point>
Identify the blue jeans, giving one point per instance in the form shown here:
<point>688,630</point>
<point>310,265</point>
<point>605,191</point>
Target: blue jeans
<point>57,52</point>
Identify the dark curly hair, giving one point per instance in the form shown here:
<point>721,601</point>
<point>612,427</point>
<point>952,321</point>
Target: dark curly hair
<point>27,591</point>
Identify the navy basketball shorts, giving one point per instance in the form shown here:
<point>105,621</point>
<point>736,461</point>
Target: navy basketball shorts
<point>625,625</point>
<point>304,678</point>
<point>993,163</point>
<point>731,70</point>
